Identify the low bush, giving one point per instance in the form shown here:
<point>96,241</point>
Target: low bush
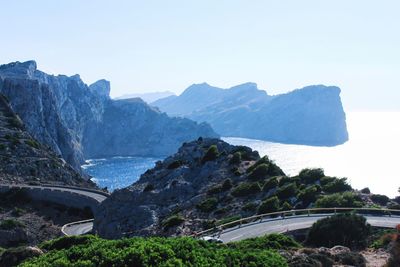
<point>380,199</point>
<point>228,220</point>
<point>270,184</point>
<point>269,205</point>
<point>260,172</point>
<point>287,191</point>
<point>172,221</point>
<point>32,143</point>
<point>250,207</point>
<point>208,205</point>
<point>211,154</point>
<point>236,158</point>
<point>148,188</point>
<point>344,200</point>
<point>156,251</point>
<point>336,186</point>
<point>309,194</point>
<point>245,189</point>
<point>348,230</point>
<point>309,176</point>
<point>175,164</point>
<point>10,224</point>
<point>365,190</point>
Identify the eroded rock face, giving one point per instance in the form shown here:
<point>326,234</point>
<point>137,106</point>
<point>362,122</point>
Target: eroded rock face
<point>79,121</point>
<point>312,115</point>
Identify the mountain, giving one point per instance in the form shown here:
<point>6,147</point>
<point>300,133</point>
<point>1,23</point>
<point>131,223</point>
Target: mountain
<point>23,159</point>
<point>79,121</point>
<point>208,182</point>
<point>148,97</point>
<point>312,115</point>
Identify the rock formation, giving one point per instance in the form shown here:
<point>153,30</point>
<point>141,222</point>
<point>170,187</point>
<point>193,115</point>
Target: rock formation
<point>79,121</point>
<point>312,115</point>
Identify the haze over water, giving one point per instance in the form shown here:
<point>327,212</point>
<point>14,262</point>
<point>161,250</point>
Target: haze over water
<point>369,159</point>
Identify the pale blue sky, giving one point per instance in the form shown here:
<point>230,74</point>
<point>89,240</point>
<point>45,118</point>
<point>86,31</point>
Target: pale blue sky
<point>143,46</point>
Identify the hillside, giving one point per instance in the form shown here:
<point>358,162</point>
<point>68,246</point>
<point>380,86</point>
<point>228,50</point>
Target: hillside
<point>312,115</point>
<point>209,182</point>
<point>74,119</point>
<point>23,159</point>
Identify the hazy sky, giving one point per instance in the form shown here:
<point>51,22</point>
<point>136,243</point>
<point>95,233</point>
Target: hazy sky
<point>143,46</point>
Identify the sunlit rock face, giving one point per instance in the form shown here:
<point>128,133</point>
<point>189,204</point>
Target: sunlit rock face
<point>312,115</point>
<point>79,121</point>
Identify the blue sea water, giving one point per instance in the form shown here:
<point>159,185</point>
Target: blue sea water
<point>370,158</point>
<point>118,172</point>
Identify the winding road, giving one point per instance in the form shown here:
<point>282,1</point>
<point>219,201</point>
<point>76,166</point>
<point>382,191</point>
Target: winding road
<point>282,225</point>
<point>73,228</point>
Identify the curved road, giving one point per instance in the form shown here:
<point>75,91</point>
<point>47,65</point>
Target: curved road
<point>279,225</point>
<point>74,228</point>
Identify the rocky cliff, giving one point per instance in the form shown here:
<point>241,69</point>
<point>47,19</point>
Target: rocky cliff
<point>312,115</point>
<point>24,160</point>
<point>206,183</point>
<point>79,121</point>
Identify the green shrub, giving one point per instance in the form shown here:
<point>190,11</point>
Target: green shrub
<point>286,206</point>
<point>32,143</point>
<point>250,207</point>
<point>380,199</point>
<point>269,205</point>
<point>309,176</point>
<point>259,172</point>
<point>343,200</point>
<point>175,164</point>
<point>236,158</point>
<point>3,146</point>
<point>66,243</point>
<point>287,191</point>
<point>228,220</point>
<point>156,251</point>
<point>211,154</point>
<point>348,230</point>
<point>365,190</point>
<point>336,186</point>
<point>245,189</point>
<point>148,188</point>
<point>309,194</point>
<point>14,122</point>
<point>326,180</point>
<point>208,204</point>
<point>17,212</point>
<point>10,224</point>
<point>270,184</point>
<point>226,185</point>
<point>272,241</point>
<point>172,221</point>
<point>285,180</point>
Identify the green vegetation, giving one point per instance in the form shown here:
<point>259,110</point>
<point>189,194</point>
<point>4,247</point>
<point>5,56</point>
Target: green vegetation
<point>236,158</point>
<point>10,224</point>
<point>344,200</point>
<point>172,221</point>
<point>32,143</point>
<point>380,199</point>
<point>175,164</point>
<point>309,194</point>
<point>348,230</point>
<point>228,220</point>
<point>287,191</point>
<point>17,212</point>
<point>211,154</point>
<point>383,238</point>
<point>269,205</point>
<point>270,184</point>
<point>225,186</point>
<point>250,207</point>
<point>260,172</point>
<point>245,189</point>
<point>309,176</point>
<point>336,185</point>
<point>15,122</point>
<point>272,241</point>
<point>148,188</point>
<point>286,206</point>
<point>157,251</point>
<point>208,204</point>
<point>365,190</point>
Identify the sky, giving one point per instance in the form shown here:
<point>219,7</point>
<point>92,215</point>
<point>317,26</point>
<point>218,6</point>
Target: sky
<point>146,46</point>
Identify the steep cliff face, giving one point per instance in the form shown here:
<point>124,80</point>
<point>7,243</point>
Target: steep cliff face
<point>71,117</point>
<point>312,115</point>
<point>23,159</point>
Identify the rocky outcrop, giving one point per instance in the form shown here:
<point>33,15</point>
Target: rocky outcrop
<point>312,115</point>
<point>206,183</point>
<point>23,159</point>
<point>74,119</point>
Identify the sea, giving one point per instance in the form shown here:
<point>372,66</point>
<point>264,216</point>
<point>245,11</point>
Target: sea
<point>371,157</point>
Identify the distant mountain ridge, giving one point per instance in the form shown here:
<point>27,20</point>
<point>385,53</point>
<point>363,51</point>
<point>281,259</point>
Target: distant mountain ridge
<point>147,97</point>
<point>312,115</point>
<point>79,121</point>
